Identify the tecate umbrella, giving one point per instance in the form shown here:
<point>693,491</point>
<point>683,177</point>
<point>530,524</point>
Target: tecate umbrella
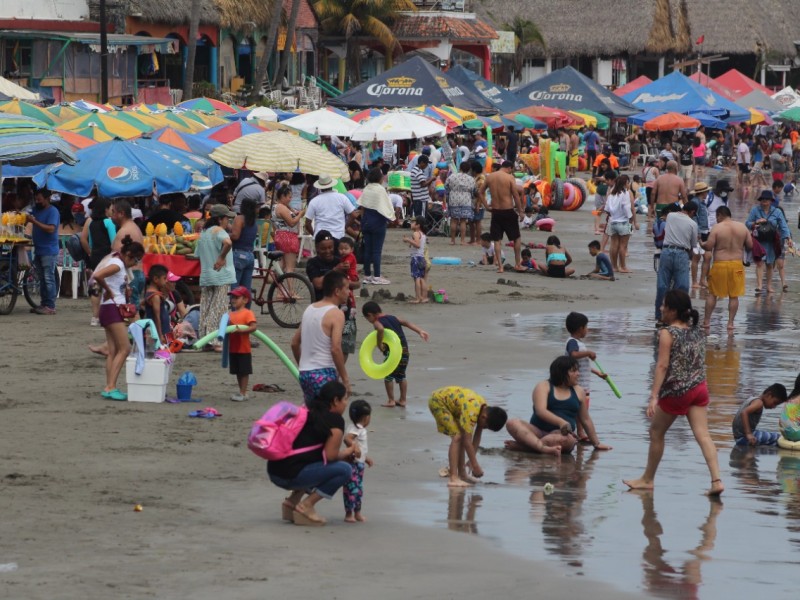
<point>205,172</point>
<point>280,152</point>
<point>117,169</point>
<point>671,121</point>
<point>323,122</point>
<point>397,126</point>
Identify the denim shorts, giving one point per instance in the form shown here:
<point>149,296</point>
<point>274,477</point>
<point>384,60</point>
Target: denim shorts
<point>620,228</point>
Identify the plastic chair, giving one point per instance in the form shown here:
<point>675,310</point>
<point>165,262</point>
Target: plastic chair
<point>262,242</point>
<point>66,263</point>
<point>647,153</point>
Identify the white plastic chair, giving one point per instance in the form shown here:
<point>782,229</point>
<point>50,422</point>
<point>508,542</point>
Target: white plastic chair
<point>290,102</point>
<point>77,270</point>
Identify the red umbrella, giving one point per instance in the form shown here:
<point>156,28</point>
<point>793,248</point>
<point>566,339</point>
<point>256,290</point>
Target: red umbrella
<point>554,117</point>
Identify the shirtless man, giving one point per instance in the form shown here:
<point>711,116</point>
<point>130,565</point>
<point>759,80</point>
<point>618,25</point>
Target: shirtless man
<point>728,240</point>
<point>505,218</point>
<point>574,144</point>
<point>669,187</point>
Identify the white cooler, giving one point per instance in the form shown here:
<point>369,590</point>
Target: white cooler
<point>151,385</point>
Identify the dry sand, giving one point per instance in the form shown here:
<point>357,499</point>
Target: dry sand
<point>74,465</point>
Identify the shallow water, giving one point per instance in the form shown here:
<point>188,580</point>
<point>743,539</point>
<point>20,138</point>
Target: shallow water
<point>673,542</point>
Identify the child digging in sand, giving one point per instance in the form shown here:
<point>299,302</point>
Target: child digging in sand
<point>748,416</point>
<point>679,389</point>
<point>460,413</point>
<point>419,266</point>
<point>353,491</point>
<point>380,321</point>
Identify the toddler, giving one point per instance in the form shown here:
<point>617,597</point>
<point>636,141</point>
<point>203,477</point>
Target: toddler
<point>353,490</point>
<point>419,265</point>
<point>527,260</point>
<point>239,349</point>
<point>488,251</point>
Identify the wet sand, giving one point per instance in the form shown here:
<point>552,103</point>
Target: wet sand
<point>75,465</point>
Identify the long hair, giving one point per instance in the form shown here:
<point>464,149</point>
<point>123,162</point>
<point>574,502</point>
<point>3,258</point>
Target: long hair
<point>619,184</point>
<point>681,303</point>
<point>248,211</point>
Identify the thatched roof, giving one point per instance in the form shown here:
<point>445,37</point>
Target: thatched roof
<point>592,28</point>
<point>587,27</point>
<point>232,14</point>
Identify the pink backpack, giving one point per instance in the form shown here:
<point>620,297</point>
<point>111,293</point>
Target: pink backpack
<point>272,436</point>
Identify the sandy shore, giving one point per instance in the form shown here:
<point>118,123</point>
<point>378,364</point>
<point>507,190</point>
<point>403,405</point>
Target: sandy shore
<point>74,465</point>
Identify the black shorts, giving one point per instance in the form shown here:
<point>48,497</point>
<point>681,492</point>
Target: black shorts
<point>504,221</point>
<point>743,167</point>
<point>559,271</point>
<point>240,364</point>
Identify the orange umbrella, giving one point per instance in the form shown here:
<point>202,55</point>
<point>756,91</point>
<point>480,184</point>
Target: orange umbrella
<point>670,121</point>
<point>76,140</point>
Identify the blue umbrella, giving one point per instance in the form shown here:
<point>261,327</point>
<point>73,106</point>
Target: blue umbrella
<point>205,172</point>
<point>709,121</point>
<point>117,169</point>
<point>642,118</point>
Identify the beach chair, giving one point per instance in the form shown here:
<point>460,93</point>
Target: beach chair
<point>647,153</point>
<point>76,269</point>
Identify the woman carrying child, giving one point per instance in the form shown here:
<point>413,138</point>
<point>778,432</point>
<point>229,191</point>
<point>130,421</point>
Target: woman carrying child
<point>323,468</point>
<point>559,403</point>
<point>556,259</point>
<point>679,388</point>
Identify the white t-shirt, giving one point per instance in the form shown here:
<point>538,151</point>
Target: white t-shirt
<point>329,211</point>
<point>117,281</point>
<point>397,200</point>
<point>743,154</point>
<point>361,437</point>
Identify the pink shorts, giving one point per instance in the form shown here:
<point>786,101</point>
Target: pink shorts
<point>287,241</point>
<point>109,314</point>
<point>680,405</point>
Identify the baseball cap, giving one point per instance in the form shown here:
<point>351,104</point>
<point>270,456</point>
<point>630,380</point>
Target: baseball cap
<point>220,210</point>
<point>172,277</point>
<point>240,291</point>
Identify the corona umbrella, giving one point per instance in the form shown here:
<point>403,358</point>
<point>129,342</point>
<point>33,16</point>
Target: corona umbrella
<point>279,152</point>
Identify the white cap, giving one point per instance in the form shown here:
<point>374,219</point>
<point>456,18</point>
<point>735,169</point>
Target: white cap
<point>137,214</point>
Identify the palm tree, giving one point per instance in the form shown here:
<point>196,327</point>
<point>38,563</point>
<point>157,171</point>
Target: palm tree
<point>287,47</point>
<point>194,25</point>
<point>357,20</point>
<point>272,36</point>
<point>526,32</point>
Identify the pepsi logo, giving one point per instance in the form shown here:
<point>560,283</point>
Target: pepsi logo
<point>118,173</point>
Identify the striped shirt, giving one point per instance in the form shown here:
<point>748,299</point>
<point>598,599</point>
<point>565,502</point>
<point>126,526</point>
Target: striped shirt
<point>419,191</point>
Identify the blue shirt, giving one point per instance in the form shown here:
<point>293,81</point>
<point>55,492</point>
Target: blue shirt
<point>46,244</point>
<point>604,264</point>
<point>591,138</point>
<point>775,216</point>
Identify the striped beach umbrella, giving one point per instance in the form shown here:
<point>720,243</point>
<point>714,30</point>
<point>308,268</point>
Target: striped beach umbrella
<point>89,106</point>
<point>91,132</point>
<point>16,107</point>
<point>118,124</point>
<point>230,132</point>
<point>76,140</point>
<point>209,105</point>
<point>177,121</point>
<point>26,142</point>
<point>183,141</point>
<point>280,152</point>
<point>207,119</point>
<point>64,112</point>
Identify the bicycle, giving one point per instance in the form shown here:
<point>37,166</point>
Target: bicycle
<point>288,296</point>
<point>16,280</point>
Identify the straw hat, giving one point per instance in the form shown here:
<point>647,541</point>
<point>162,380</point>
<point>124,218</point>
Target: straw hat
<point>325,182</point>
<point>701,187</point>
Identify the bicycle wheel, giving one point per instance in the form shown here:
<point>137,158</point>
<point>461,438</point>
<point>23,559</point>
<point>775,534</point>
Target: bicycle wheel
<point>31,287</point>
<point>8,287</point>
<point>286,307</point>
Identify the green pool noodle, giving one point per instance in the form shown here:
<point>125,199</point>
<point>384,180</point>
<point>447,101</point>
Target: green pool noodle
<point>609,381</point>
<point>270,344</point>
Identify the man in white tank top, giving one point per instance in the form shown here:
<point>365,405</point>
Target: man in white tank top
<point>317,345</point>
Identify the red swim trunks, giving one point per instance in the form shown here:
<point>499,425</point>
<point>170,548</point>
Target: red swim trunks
<point>680,405</point>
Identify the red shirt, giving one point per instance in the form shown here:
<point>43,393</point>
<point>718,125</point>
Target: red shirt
<point>239,343</point>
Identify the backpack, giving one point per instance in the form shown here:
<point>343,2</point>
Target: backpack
<point>74,247</point>
<point>273,435</point>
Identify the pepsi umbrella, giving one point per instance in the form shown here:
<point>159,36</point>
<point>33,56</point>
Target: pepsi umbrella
<point>205,172</point>
<point>117,169</point>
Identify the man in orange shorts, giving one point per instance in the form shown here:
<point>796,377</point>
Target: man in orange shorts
<point>728,240</point>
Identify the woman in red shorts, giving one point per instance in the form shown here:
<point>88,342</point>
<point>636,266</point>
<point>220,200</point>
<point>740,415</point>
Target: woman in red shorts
<point>679,388</point>
<point>286,227</point>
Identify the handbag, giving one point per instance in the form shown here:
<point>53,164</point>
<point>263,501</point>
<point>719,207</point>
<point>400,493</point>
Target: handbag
<point>127,311</point>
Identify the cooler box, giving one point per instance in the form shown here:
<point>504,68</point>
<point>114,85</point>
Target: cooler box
<point>151,385</point>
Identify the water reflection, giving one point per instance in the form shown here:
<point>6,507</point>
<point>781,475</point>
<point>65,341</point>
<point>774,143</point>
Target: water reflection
<point>788,472</point>
<point>662,578</point>
<point>461,508</point>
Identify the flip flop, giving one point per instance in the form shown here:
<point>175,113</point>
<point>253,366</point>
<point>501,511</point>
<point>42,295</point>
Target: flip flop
<point>205,413</point>
<point>267,387</point>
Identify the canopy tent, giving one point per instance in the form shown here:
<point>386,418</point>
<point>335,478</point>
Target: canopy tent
<point>10,90</point>
<point>677,93</point>
<point>713,85</point>
<point>412,83</point>
<point>787,98</point>
<point>709,121</point>
<point>758,99</point>
<point>740,84</point>
<point>640,81</point>
<point>570,89</point>
<point>504,100</point>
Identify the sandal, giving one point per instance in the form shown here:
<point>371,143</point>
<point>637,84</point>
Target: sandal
<point>287,511</point>
<point>300,518</point>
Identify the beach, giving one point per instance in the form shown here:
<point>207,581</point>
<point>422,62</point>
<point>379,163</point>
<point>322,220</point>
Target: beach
<point>75,465</point>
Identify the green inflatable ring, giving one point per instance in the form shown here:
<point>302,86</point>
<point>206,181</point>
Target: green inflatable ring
<point>384,369</point>
<point>787,445</point>
<point>270,344</point>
